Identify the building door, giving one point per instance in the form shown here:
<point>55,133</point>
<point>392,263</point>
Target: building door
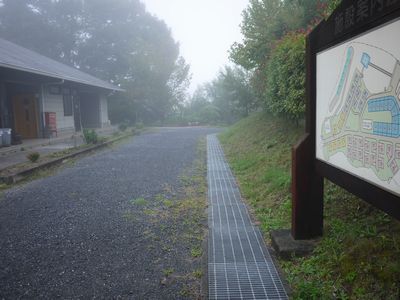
<point>25,116</point>
<point>90,110</point>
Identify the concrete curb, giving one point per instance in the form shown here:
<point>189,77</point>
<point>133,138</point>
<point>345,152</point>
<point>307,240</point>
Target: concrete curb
<point>20,175</point>
<point>48,141</point>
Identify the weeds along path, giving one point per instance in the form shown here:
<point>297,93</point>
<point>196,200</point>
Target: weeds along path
<point>125,222</point>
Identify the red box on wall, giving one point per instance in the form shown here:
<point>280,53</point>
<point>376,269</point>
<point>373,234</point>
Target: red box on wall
<point>51,122</point>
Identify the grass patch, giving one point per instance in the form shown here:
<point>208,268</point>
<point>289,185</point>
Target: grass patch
<point>196,252</point>
<point>358,256</point>
<point>139,201</point>
<point>198,273</point>
<point>168,272</point>
<point>159,198</point>
<point>4,187</point>
<point>150,212</point>
<point>168,203</point>
<point>129,216</point>
<point>65,152</point>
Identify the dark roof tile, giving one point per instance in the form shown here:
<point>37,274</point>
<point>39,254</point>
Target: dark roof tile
<point>16,57</point>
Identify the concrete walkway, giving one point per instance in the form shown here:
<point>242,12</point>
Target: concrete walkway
<point>239,264</point>
<point>16,154</point>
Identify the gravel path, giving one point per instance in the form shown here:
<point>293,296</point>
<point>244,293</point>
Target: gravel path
<point>77,235</point>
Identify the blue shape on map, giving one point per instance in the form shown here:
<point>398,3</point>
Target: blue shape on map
<point>381,104</point>
<point>365,60</point>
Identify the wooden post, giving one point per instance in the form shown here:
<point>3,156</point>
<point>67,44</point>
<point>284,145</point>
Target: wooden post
<point>307,193</point>
<point>307,186</point>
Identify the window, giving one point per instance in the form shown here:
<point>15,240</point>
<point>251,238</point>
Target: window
<point>67,102</point>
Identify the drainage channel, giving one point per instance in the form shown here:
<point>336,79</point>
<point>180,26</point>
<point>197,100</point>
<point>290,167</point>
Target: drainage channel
<point>239,264</point>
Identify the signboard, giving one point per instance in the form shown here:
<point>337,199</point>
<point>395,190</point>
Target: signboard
<point>353,112</point>
<point>358,106</point>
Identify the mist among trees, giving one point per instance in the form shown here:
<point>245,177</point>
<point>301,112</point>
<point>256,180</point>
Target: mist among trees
<point>226,99</point>
<point>268,71</point>
<point>116,40</point>
<point>119,41</point>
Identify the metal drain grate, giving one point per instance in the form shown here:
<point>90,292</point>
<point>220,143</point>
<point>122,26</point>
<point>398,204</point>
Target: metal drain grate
<point>239,264</point>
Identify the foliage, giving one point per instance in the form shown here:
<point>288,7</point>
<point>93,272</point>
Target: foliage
<point>262,24</point>
<point>117,40</point>
<point>33,157</point>
<point>286,77</point>
<point>123,126</point>
<point>139,201</point>
<point>269,28</point>
<point>225,99</point>
<point>139,125</point>
<point>266,21</point>
<point>179,83</point>
<point>332,4</point>
<point>209,114</point>
<point>233,89</point>
<point>177,119</point>
<point>90,136</point>
<point>357,258</point>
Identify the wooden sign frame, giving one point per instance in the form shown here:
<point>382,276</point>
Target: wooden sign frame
<point>349,20</point>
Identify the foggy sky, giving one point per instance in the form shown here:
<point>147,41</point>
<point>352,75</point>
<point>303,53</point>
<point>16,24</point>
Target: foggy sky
<point>205,30</point>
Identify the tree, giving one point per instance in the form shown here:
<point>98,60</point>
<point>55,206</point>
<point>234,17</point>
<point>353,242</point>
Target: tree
<point>225,99</point>
<point>116,40</point>
<point>36,25</point>
<point>236,84</point>
<point>266,21</point>
<point>273,48</point>
<point>179,83</point>
<point>286,75</point>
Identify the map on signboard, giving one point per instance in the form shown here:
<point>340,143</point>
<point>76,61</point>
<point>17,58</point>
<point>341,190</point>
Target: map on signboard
<point>358,107</point>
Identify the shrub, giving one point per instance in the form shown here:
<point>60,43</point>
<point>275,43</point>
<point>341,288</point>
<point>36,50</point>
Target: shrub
<point>91,136</point>
<point>209,114</point>
<point>139,125</point>
<point>286,74</point>
<point>34,156</point>
<point>123,126</point>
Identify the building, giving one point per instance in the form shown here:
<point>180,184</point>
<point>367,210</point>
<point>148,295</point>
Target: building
<point>40,97</point>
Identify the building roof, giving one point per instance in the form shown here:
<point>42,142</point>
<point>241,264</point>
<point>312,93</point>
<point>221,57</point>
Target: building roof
<point>16,57</point>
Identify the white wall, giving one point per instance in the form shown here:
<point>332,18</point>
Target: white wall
<point>54,103</point>
<point>104,120</point>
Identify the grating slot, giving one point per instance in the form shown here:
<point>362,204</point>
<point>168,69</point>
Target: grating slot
<point>239,264</point>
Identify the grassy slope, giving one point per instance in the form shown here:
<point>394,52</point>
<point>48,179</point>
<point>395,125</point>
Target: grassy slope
<point>359,255</point>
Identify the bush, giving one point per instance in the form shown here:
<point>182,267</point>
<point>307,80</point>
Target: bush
<point>139,125</point>
<point>209,114</point>
<point>33,157</point>
<point>123,126</point>
<point>91,136</point>
<point>286,75</point>
<point>176,120</point>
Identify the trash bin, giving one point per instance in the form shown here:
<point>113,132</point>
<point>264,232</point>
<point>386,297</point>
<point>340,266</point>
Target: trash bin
<point>6,136</point>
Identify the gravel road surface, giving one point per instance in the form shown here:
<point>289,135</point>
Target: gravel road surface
<point>76,234</point>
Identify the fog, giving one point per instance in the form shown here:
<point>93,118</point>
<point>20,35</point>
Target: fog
<point>158,52</point>
<point>204,29</point>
